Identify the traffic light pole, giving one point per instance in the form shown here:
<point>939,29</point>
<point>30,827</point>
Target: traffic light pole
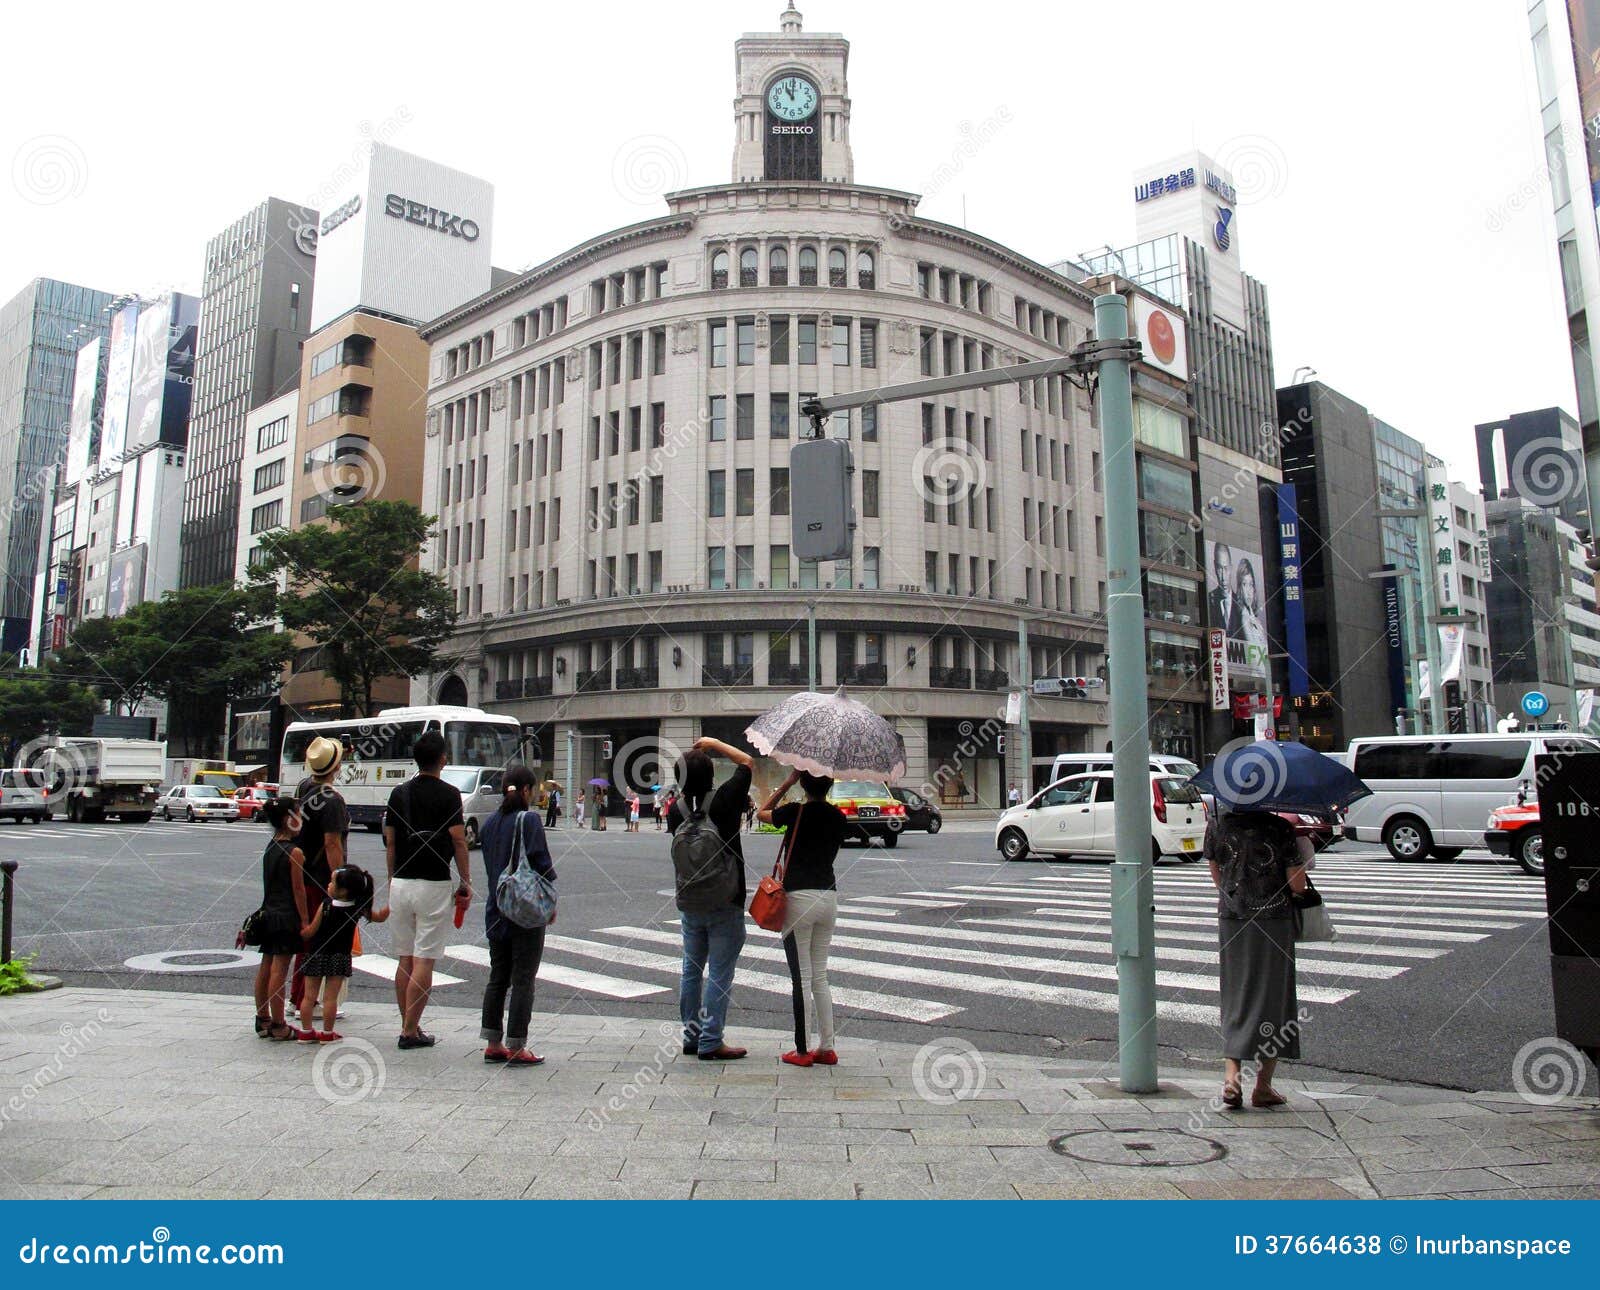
<point>1133,902</point>
<point>1024,726</point>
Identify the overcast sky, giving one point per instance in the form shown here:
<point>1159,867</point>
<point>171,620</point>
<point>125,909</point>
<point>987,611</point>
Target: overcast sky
<point>1400,217</point>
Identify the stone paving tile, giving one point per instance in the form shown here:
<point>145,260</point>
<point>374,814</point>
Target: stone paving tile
<point>1134,1189</point>
<point>707,1190</point>
<point>1439,1183</point>
<point>545,1188</point>
<point>635,1170</point>
<point>1551,1175</point>
<point>1266,1189</point>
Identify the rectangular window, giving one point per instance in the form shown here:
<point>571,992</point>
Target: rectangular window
<point>778,490</point>
<point>869,572</point>
<point>869,344</point>
<point>635,356</point>
<point>611,506</point>
<point>657,498</point>
<point>633,501</point>
<point>655,571</point>
<point>744,416</point>
<point>658,351</point>
<point>635,428</point>
<point>270,475</point>
<point>658,425</point>
<point>745,341</point>
<point>272,434</point>
<point>927,423</point>
<point>717,415</point>
<point>267,516</point>
<point>808,575</point>
<point>869,494</point>
<point>716,493</point>
<point>613,433</point>
<point>744,567</point>
<point>869,423</point>
<point>841,342</point>
<point>807,343</point>
<point>594,438</point>
<point>780,566</point>
<point>744,492</point>
<point>778,416</point>
<point>719,344</point>
<point>717,568</point>
<point>930,571</point>
<point>778,344</point>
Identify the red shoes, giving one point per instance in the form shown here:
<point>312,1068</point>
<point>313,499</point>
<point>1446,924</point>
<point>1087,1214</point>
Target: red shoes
<point>798,1059</point>
<point>825,1057</point>
<point>496,1053</point>
<point>524,1057</point>
<point>328,1036</point>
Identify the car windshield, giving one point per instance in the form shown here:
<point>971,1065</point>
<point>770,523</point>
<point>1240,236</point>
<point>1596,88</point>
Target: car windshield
<point>1182,769</point>
<point>1176,790</point>
<point>465,780</point>
<point>204,790</point>
<point>846,788</point>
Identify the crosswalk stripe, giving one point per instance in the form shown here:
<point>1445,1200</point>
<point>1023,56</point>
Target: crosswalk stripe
<point>1341,946</point>
<point>386,967</point>
<point>1162,920</point>
<point>908,901</point>
<point>613,987</point>
<point>1304,962</point>
<point>1205,898</point>
<point>1433,889</point>
<point>889,1005</point>
<point>1033,991</point>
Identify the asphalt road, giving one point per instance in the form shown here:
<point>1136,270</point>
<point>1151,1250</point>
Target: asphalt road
<point>1440,974</point>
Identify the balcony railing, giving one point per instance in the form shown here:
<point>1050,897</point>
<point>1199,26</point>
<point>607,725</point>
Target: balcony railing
<point>950,678</point>
<point>594,678</point>
<point>727,674</point>
<point>991,678</point>
<point>864,674</point>
<point>508,689</point>
<point>537,687</point>
<point>787,674</point>
<point>638,678</point>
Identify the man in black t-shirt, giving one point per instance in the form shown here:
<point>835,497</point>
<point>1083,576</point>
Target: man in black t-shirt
<point>711,941</point>
<point>423,832</point>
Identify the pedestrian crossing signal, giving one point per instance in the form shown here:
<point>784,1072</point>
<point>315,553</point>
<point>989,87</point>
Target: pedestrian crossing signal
<point>821,502</point>
<point>605,750</point>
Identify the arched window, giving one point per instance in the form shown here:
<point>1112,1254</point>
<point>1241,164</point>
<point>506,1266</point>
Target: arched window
<point>719,269</point>
<point>838,268</point>
<point>778,267</point>
<point>808,266</point>
<point>866,271</point>
<point>749,267</point>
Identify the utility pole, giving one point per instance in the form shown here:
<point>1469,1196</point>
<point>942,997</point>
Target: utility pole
<point>1430,635</point>
<point>811,645</point>
<point>1024,725</point>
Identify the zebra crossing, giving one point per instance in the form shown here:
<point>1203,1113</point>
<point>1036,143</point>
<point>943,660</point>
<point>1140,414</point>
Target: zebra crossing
<point>1044,937</point>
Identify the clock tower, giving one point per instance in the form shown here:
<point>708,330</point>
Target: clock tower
<point>792,112</point>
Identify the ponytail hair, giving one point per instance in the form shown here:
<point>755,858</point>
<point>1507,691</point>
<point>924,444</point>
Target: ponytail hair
<point>357,884</point>
<point>517,787</point>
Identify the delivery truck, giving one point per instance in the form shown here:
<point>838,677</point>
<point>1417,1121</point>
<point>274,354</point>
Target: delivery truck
<point>100,777</point>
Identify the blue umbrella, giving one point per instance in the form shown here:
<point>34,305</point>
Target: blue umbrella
<point>1265,775</point>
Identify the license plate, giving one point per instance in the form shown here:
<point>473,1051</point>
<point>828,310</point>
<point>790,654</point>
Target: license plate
<point>1188,844</point>
<point>867,812</point>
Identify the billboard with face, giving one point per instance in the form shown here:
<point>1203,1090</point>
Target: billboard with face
<point>119,383</point>
<point>1236,602</point>
<point>163,373</point>
<point>83,432</point>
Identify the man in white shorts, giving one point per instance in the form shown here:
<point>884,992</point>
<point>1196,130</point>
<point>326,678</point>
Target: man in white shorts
<point>423,831</point>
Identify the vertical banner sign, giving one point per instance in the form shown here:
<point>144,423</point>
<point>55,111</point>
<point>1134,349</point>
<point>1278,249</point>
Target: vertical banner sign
<point>1394,642</point>
<point>1294,609</point>
<point>1219,669</point>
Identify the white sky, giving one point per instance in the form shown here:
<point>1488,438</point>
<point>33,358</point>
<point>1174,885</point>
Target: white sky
<point>1407,243</point>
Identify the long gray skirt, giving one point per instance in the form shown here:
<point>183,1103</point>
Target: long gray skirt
<point>1259,1010</point>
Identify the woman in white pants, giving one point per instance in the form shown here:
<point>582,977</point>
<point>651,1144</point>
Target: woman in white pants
<point>814,828</point>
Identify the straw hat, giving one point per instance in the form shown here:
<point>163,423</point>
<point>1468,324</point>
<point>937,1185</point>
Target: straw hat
<point>323,756</point>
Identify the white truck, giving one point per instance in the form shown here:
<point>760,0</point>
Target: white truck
<point>221,775</point>
<point>101,777</point>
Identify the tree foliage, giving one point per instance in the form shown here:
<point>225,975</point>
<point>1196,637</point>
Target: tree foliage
<point>353,588</point>
<point>42,702</point>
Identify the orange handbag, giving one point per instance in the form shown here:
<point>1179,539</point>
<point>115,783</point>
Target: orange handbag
<point>770,903</point>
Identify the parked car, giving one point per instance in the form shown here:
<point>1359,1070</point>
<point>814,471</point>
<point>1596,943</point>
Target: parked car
<point>921,814</point>
<point>481,795</point>
<point>1084,763</point>
<point>1431,794</point>
<point>251,800</point>
<point>1075,817</point>
<point>1322,831</point>
<point>870,810</point>
<point>1513,830</point>
<point>24,795</point>
<point>197,802</point>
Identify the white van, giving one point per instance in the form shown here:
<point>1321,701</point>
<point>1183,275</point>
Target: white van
<point>1088,763</point>
<point>1432,794</point>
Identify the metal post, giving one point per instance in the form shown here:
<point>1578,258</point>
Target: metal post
<point>572,779</point>
<point>1132,884</point>
<point>1024,726</point>
<point>9,867</point>
<point>811,644</point>
<point>1430,634</point>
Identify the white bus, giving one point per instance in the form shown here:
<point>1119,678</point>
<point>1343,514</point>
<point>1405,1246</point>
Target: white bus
<point>377,751</point>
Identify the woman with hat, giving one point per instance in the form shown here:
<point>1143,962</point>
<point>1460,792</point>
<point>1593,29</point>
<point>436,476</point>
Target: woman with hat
<point>324,825</point>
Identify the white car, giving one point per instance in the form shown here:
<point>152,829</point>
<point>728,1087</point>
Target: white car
<point>23,795</point>
<point>197,802</point>
<point>1075,816</point>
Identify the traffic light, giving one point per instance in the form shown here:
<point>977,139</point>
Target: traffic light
<point>605,750</point>
<point>1000,744</point>
<point>821,501</point>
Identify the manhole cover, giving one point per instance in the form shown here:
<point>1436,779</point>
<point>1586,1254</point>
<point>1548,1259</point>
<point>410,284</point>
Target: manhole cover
<point>1139,1148</point>
<point>203,958</point>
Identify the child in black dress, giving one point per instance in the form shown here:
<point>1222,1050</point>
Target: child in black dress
<point>330,936</point>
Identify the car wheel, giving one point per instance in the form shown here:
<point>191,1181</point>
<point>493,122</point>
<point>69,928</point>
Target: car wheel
<point>891,839</point>
<point>1530,852</point>
<point>935,824</point>
<point>189,814</point>
<point>1155,851</point>
<point>1013,844</point>
<point>1446,853</point>
<point>1407,838</point>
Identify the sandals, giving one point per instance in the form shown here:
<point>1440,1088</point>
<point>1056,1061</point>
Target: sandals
<point>1232,1097</point>
<point>496,1053</point>
<point>283,1032</point>
<point>1265,1098</point>
<point>263,1024</point>
<point>524,1057</point>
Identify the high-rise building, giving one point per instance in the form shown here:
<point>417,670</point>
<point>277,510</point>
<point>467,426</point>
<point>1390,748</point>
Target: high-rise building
<point>255,310</point>
<point>42,328</point>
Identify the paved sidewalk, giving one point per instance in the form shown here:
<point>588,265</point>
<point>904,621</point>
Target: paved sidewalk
<point>154,1094</point>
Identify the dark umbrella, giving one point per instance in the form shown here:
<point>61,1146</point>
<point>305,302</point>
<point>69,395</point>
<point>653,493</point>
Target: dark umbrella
<point>1265,775</point>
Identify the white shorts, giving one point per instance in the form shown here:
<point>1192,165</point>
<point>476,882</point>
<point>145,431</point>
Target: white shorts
<point>419,916</point>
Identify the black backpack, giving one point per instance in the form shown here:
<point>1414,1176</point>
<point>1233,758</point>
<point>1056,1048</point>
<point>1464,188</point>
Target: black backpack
<point>705,870</point>
<point>1254,851</point>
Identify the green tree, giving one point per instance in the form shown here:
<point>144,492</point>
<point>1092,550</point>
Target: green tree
<point>353,589</point>
<point>42,702</point>
<point>117,657</point>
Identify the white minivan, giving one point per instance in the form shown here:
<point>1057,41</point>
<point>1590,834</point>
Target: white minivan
<point>1087,763</point>
<point>1432,794</point>
<point>1076,816</point>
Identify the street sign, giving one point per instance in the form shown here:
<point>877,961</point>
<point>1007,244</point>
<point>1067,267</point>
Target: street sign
<point>1535,703</point>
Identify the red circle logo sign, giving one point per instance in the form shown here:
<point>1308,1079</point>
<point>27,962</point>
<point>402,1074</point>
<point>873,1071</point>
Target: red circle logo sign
<point>1163,340</point>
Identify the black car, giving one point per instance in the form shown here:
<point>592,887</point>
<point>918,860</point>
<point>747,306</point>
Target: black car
<point>920,812</point>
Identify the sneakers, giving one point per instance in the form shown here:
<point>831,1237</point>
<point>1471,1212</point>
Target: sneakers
<point>328,1036</point>
<point>418,1040</point>
<point>825,1057</point>
<point>797,1059</point>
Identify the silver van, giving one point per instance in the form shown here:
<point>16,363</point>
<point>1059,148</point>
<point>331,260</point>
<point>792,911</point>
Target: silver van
<point>1432,794</point>
<point>480,795</point>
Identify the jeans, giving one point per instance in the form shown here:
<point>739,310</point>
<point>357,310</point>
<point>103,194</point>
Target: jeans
<point>711,945</point>
<point>513,963</point>
<point>809,919</point>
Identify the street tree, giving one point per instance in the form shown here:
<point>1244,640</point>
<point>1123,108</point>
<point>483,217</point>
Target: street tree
<point>41,701</point>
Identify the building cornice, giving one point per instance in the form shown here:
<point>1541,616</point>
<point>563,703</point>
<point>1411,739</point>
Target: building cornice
<point>915,228</point>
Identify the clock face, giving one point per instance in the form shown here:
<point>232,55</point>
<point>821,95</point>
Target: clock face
<point>792,98</point>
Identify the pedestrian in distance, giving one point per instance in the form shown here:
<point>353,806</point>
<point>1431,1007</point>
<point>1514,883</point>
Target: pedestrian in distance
<point>708,873</point>
<point>553,809</point>
<point>284,906</point>
<point>1014,796</point>
<point>514,952</point>
<point>331,936</point>
<point>423,833</point>
<point>813,828</point>
<point>658,805</point>
<point>599,809</point>
<point>324,833</point>
<point>578,814</point>
<point>1257,863</point>
<point>633,812</point>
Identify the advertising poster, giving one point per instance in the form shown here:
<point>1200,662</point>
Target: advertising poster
<point>82,433</point>
<point>119,384</point>
<point>126,587</point>
<point>1294,609</point>
<point>1584,18</point>
<point>148,381</point>
<point>1236,602</point>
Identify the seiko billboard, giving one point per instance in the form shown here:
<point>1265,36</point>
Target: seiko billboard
<point>430,217</point>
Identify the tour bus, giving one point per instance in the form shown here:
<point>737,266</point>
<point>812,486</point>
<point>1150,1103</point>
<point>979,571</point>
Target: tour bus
<point>377,751</point>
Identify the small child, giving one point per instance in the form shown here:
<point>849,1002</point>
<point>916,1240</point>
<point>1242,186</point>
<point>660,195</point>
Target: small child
<point>331,934</point>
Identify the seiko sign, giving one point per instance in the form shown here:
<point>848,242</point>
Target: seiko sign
<point>430,217</point>
<point>793,129</point>
<point>338,217</point>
